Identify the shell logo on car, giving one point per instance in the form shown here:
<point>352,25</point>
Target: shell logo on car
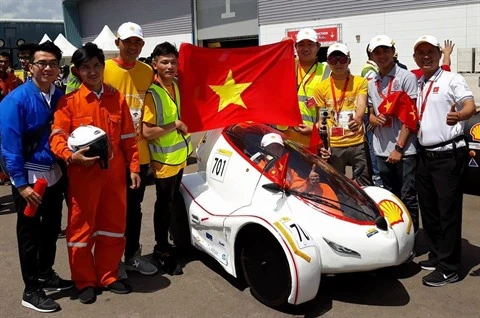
<point>391,211</point>
<point>475,132</point>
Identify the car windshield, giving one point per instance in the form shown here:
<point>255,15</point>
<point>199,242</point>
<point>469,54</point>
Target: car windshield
<point>307,176</point>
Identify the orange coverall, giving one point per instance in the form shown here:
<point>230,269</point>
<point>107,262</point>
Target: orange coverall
<point>96,197</point>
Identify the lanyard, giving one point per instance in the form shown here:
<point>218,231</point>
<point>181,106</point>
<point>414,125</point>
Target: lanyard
<point>303,78</point>
<point>424,99</point>
<point>342,96</point>
<point>389,90</point>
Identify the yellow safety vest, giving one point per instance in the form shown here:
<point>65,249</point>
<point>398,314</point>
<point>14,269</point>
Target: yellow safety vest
<point>172,148</point>
<point>304,93</point>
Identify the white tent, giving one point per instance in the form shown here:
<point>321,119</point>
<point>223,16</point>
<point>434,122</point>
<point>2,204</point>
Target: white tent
<point>67,48</point>
<point>106,41</point>
<point>45,39</point>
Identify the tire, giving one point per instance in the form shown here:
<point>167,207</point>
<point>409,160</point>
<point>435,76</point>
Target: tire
<point>265,269</point>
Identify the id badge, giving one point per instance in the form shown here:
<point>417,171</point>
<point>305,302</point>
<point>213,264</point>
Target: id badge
<point>337,132</point>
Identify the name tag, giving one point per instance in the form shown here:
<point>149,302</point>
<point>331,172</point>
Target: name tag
<point>337,132</point>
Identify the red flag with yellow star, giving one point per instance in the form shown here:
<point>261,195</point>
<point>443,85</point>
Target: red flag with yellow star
<point>400,105</point>
<point>221,87</point>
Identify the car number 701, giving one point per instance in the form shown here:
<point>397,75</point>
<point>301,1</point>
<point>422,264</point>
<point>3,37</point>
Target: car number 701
<point>219,166</point>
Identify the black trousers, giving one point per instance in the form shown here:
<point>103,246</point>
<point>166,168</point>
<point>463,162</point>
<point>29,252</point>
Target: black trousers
<point>134,213</point>
<point>37,236</point>
<point>441,200</point>
<point>168,194</point>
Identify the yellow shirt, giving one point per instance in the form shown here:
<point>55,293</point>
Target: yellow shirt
<point>340,135</point>
<point>159,169</point>
<point>133,83</point>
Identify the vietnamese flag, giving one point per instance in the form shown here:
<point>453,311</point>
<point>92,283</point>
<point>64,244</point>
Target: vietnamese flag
<point>315,140</point>
<point>400,105</point>
<point>221,87</point>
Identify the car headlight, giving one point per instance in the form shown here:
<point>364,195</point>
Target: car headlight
<point>341,249</point>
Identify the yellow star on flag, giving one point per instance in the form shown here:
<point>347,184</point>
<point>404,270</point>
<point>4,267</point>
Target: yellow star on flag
<point>230,92</point>
<point>388,104</point>
<point>413,115</point>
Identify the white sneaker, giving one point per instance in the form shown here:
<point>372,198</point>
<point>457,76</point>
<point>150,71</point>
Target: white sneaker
<point>122,273</point>
<point>140,264</point>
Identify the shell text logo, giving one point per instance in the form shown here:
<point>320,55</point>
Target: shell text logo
<point>475,132</point>
<point>391,211</point>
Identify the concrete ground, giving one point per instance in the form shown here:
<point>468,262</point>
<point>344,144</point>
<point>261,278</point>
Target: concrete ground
<point>205,290</point>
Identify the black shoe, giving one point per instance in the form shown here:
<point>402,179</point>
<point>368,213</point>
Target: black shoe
<point>437,278</point>
<point>37,300</point>
<point>428,265</point>
<point>87,295</point>
<point>168,261</point>
<point>53,282</point>
<point>117,287</point>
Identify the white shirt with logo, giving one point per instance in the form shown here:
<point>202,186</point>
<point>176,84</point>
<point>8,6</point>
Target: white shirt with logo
<point>447,89</point>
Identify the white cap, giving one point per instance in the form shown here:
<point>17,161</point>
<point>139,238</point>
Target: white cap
<point>271,138</point>
<point>129,29</point>
<point>340,47</point>
<point>380,40</point>
<point>307,34</point>
<point>426,39</point>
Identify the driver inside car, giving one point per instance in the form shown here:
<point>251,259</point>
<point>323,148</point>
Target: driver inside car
<point>274,146</point>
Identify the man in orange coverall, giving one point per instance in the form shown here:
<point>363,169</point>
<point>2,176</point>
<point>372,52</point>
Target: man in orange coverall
<point>96,197</point>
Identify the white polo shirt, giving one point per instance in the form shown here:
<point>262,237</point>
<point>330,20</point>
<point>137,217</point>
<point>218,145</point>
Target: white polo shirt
<point>447,88</point>
<point>385,138</point>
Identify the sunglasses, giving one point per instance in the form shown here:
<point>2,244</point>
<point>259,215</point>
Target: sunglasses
<point>335,59</point>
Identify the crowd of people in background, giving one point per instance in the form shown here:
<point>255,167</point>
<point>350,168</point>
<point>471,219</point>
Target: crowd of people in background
<point>136,105</point>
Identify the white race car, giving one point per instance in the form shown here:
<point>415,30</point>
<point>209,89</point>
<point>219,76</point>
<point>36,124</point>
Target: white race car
<point>280,234</point>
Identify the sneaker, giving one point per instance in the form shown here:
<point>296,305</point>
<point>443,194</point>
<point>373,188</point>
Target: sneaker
<point>168,261</point>
<point>87,295</point>
<point>140,264</point>
<point>37,300</point>
<point>122,273</point>
<point>437,278</point>
<point>428,265</point>
<point>117,287</point>
<point>53,282</point>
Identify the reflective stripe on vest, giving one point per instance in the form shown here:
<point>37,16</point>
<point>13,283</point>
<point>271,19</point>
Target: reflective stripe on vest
<point>172,148</point>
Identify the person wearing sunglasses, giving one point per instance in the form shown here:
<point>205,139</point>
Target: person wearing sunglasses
<point>344,98</point>
<point>310,73</point>
<point>24,53</point>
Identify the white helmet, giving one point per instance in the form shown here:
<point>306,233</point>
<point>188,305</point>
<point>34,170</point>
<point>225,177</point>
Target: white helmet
<point>93,137</point>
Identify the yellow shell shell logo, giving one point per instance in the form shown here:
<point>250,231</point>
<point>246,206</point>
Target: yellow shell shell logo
<point>391,211</point>
<point>475,132</point>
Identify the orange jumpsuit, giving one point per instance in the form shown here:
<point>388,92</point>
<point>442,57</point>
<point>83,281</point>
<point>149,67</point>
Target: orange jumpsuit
<point>96,197</point>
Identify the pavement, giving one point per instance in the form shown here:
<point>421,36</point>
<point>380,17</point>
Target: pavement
<point>206,290</point>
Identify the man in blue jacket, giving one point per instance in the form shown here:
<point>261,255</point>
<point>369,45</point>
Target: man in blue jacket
<point>25,119</point>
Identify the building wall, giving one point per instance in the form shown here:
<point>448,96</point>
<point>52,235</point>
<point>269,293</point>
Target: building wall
<point>165,20</point>
<point>460,23</point>
<point>28,30</point>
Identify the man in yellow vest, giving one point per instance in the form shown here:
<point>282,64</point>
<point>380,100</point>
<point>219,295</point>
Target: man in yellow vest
<point>170,146</point>
<point>309,74</point>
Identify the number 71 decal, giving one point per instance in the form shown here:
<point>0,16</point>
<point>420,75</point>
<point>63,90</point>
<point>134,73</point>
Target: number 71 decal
<point>220,164</point>
<point>297,237</point>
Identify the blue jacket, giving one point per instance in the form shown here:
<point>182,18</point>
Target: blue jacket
<point>24,111</point>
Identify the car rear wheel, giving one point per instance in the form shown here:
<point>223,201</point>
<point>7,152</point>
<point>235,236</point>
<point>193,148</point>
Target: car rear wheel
<point>266,270</point>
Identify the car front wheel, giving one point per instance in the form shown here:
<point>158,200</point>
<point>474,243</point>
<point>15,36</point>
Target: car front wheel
<point>266,270</point>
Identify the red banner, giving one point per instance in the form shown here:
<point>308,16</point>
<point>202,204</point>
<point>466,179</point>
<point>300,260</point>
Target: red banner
<point>325,34</point>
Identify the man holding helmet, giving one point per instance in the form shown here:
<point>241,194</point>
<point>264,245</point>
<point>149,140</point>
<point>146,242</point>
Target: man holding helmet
<point>96,195</point>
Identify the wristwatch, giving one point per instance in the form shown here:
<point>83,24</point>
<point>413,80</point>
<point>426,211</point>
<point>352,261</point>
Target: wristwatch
<point>399,148</point>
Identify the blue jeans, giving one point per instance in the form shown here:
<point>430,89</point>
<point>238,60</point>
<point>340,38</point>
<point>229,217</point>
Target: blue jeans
<point>399,179</point>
